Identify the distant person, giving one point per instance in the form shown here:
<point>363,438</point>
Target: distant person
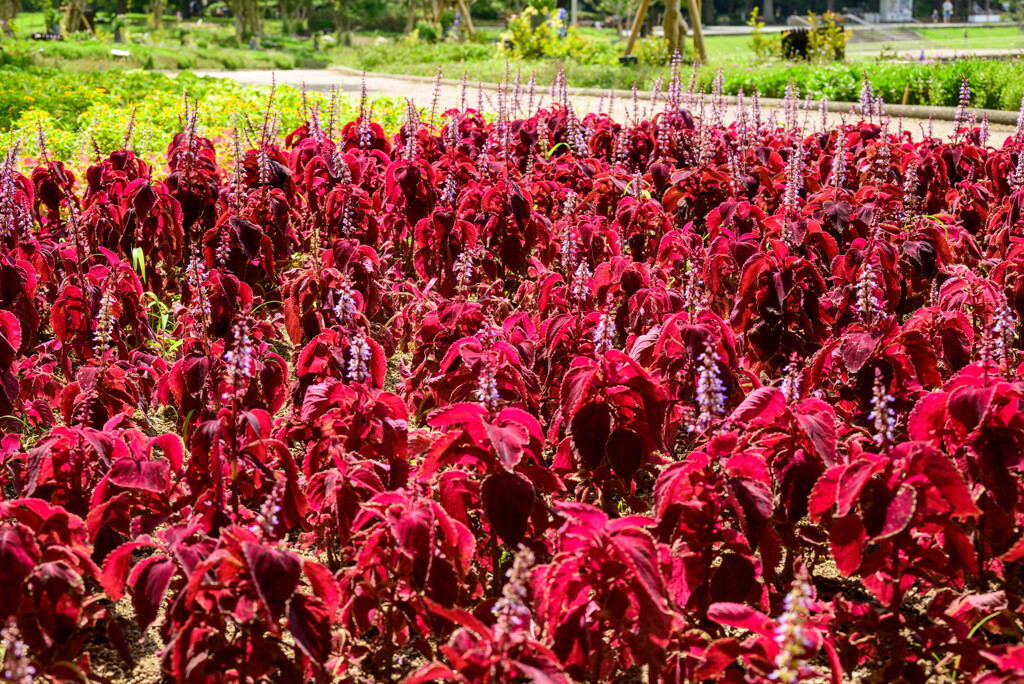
<point>947,11</point>
<point>935,16</point>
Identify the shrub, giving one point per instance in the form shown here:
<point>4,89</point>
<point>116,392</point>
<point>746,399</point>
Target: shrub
<point>764,46</point>
<point>534,35</point>
<point>653,51</point>
<point>427,32</point>
<point>826,40</point>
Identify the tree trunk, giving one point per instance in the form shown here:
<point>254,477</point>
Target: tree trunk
<point>74,19</point>
<point>641,13</point>
<point>156,8</point>
<point>769,11</point>
<point>675,27</point>
<point>257,18</point>
<point>8,11</point>
<point>698,33</point>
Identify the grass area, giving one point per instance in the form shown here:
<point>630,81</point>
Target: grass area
<point>76,110</point>
<point>484,60</point>
<point>995,84</point>
<point>941,33</point>
<point>979,38</point>
<point>210,44</point>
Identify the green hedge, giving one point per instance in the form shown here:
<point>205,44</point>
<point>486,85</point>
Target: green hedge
<point>994,85</point>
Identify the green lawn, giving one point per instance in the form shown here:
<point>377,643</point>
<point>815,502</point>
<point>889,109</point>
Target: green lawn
<point>978,38</point>
<point>210,44</point>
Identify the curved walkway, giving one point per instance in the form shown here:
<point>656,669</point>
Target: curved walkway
<point>421,91</point>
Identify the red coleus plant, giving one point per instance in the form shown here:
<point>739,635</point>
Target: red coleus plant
<point>699,393</point>
<point>241,580</point>
<point>504,448</point>
<point>52,603</point>
<point>408,550</point>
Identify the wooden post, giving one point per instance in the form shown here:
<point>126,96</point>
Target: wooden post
<point>698,33</point>
<point>637,23</point>
<point>574,10</point>
<point>464,10</point>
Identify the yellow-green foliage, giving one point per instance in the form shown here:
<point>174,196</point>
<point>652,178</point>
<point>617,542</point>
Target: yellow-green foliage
<point>765,46</point>
<point>826,41</point>
<point>528,42</point>
<point>75,109</point>
<point>653,51</point>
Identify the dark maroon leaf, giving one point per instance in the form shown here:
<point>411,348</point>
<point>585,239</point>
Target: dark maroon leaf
<point>625,453</point>
<point>591,427</point>
<point>508,501</point>
<point>275,574</point>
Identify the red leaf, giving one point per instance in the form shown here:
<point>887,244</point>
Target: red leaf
<point>625,453</point>
<point>460,617</point>
<point>763,403</point>
<point>323,583</point>
<point>818,420</point>
<point>149,581</point>
<point>508,443</point>
<point>430,673</point>
<point>537,675</point>
<point>741,616</point>
<point>310,624</point>
<point>150,476</point>
<point>752,502</point>
<point>508,501</point>
<point>18,556</point>
<point>942,474</point>
<point>717,657</point>
<point>899,512</point>
<point>456,414</point>
<point>275,574</point>
<point>966,408</point>
<point>823,496</point>
<point>170,444</point>
<point>848,538</point>
<point>858,348</point>
<point>852,481</point>
<point>927,419</point>
<point>115,569</point>
<point>591,427</point>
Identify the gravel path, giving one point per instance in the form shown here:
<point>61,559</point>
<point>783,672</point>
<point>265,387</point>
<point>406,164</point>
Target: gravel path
<point>422,92</point>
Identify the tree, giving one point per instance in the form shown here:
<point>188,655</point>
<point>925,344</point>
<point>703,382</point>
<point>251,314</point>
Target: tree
<point>74,19</point>
<point>623,10</point>
<point>8,10</point>
<point>675,27</point>
<point>156,10</point>
<point>291,10</point>
<point>247,17</point>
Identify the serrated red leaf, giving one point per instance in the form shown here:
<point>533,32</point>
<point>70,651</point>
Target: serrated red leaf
<point>508,502</point>
<point>275,574</point>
